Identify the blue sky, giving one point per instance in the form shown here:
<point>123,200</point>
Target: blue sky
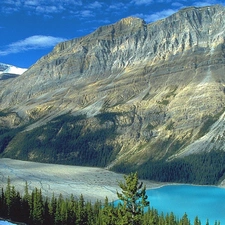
<point>30,29</point>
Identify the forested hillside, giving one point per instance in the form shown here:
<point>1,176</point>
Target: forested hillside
<point>70,140</point>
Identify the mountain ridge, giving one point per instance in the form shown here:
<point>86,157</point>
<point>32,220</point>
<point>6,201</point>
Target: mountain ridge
<point>157,88</point>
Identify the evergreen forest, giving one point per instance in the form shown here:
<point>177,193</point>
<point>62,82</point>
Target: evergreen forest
<point>134,209</point>
<point>67,140</point>
<point>203,169</point>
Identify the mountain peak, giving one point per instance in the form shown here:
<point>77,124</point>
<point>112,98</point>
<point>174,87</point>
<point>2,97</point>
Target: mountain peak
<point>10,69</point>
<point>131,20</point>
<point>158,87</point>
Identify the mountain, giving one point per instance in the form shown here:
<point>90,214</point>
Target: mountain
<point>129,96</point>
<point>9,71</point>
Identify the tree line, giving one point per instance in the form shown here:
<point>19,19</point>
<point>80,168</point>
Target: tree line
<point>202,168</point>
<point>133,208</point>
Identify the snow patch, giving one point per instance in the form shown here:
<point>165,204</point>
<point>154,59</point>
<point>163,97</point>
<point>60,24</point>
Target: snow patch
<point>15,70</point>
<point>11,69</point>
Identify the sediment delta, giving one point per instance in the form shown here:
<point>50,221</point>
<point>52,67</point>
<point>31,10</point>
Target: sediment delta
<point>93,183</point>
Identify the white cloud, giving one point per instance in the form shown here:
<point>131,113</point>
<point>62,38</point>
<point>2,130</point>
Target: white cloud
<point>12,2</point>
<point>204,3</point>
<point>31,3</point>
<point>95,5</point>
<point>86,13</point>
<point>49,9</point>
<point>177,4</point>
<point>156,16</point>
<point>39,6</point>
<point>142,2</point>
<point>207,3</point>
<point>31,43</point>
<point>117,6</point>
<point>160,15</point>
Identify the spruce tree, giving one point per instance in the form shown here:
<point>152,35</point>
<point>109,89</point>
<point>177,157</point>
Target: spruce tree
<point>25,212</point>
<point>133,197</point>
<point>197,221</point>
<point>108,216</point>
<point>81,213</point>
<point>184,220</point>
<point>3,212</point>
<point>38,208</point>
<point>8,199</point>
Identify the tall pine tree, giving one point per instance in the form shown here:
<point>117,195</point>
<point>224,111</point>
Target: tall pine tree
<point>134,199</point>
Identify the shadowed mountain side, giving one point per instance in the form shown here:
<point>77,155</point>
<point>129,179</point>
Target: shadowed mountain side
<point>5,76</point>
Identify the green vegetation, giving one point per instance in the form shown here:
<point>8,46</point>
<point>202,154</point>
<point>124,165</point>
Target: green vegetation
<point>207,169</point>
<point>163,102</point>
<point>170,94</point>
<point>6,135</point>
<point>66,139</point>
<point>134,199</point>
<point>2,113</point>
<point>208,121</point>
<point>76,141</point>
<point>107,116</point>
<point>33,208</point>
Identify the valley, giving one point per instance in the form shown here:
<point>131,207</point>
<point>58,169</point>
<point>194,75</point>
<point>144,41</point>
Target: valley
<point>93,183</point>
<point>130,97</point>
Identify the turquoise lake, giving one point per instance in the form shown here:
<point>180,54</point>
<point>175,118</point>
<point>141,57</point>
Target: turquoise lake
<point>206,202</point>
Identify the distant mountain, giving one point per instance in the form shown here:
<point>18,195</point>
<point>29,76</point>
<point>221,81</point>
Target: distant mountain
<point>9,71</point>
<point>5,68</point>
<point>129,96</point>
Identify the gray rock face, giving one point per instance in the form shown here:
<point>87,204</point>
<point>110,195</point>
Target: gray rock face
<point>164,80</point>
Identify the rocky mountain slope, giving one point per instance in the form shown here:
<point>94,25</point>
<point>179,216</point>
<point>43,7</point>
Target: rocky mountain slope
<point>156,91</point>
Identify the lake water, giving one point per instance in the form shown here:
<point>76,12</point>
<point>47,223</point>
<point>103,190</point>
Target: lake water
<point>206,202</point>
<point>5,223</point>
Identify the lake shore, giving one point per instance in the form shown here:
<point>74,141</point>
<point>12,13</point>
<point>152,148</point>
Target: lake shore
<point>7,221</point>
<point>93,183</point>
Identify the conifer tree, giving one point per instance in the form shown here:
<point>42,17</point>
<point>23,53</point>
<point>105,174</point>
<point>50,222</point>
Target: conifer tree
<point>72,210</point>
<point>133,197</point>
<point>184,220</point>
<point>25,204</point>
<point>108,215</point>
<point>38,208</point>
<point>8,199</point>
<point>2,204</point>
<point>52,209</point>
<point>15,208</point>
<point>197,221</point>
<point>81,215</point>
